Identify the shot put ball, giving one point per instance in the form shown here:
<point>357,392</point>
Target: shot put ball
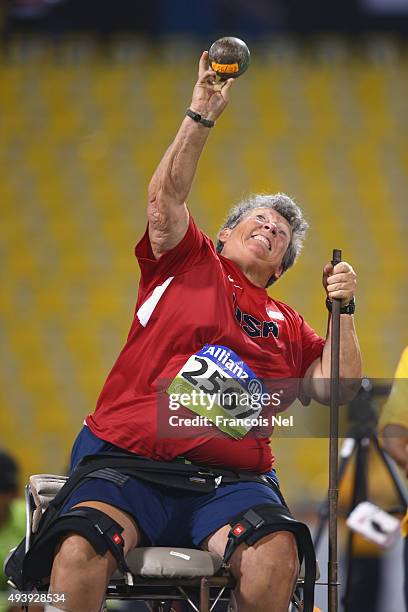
<point>229,57</point>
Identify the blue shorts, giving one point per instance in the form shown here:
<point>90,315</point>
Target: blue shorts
<point>175,518</point>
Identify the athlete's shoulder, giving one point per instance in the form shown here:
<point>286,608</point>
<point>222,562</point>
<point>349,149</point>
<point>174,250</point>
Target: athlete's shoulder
<point>196,237</point>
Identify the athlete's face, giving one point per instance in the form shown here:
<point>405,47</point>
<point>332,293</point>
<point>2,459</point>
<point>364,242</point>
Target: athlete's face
<point>259,240</point>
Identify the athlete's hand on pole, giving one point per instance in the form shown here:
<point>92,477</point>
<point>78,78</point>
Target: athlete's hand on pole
<point>210,96</point>
<point>340,282</point>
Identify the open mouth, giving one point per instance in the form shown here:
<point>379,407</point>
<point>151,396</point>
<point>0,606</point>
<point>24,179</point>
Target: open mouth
<point>263,239</point>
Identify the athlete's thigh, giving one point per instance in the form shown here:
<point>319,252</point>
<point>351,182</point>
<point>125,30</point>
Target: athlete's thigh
<point>278,540</point>
<point>131,532</point>
<point>272,551</point>
<point>141,508</point>
<point>213,512</point>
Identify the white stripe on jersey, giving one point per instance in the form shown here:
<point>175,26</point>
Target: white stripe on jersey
<point>146,309</point>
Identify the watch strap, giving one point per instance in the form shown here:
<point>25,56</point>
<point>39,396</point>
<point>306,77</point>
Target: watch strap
<point>347,309</point>
<point>199,119</point>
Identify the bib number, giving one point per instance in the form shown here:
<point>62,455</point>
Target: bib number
<point>217,384</point>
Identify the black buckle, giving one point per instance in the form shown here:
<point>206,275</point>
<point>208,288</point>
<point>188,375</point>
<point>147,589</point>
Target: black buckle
<point>239,532</point>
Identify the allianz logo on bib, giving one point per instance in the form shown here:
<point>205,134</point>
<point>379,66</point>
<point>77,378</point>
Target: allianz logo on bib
<point>223,356</point>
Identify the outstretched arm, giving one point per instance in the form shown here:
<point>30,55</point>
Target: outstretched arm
<point>172,180</point>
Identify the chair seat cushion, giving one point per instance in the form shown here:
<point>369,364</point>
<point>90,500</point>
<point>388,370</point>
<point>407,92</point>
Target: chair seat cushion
<point>44,487</point>
<point>167,562</point>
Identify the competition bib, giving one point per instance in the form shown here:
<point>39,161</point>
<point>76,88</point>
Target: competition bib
<point>215,383</point>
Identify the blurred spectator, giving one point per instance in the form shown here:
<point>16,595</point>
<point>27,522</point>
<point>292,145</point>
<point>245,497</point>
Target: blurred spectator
<point>393,426</point>
<point>12,520</point>
<point>382,7</point>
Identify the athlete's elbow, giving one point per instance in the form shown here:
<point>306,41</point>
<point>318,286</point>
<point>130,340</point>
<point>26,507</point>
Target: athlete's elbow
<point>165,192</point>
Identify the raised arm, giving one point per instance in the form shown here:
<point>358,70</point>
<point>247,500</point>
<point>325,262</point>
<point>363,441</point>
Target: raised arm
<point>339,283</point>
<point>172,180</point>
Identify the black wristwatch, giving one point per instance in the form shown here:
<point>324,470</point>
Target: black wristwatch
<point>347,309</point>
<point>199,119</point>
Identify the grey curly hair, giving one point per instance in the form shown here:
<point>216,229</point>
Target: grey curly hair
<point>286,207</point>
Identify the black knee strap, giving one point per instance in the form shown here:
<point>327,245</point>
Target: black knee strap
<point>253,524</point>
<point>101,531</point>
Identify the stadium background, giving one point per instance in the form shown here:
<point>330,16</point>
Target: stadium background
<point>90,98</point>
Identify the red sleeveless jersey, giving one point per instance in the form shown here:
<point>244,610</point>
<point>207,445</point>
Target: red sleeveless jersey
<point>189,298</point>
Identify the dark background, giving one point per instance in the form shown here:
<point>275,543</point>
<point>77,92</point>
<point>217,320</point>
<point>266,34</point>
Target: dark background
<point>254,19</point>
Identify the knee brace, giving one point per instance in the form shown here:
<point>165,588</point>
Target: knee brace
<point>101,531</point>
<point>253,524</point>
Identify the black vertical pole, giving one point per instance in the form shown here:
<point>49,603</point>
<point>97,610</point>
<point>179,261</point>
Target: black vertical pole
<point>333,448</point>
